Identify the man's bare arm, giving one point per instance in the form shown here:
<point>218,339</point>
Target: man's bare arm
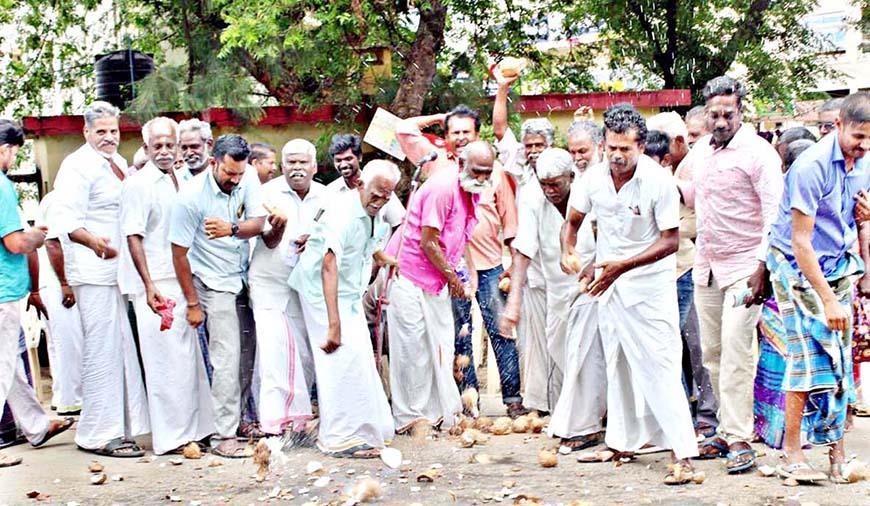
<point>429,243</point>
<point>802,227</point>
<point>329,278</point>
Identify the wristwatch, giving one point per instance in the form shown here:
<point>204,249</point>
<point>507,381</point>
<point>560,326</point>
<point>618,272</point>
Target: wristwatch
<point>234,229</point>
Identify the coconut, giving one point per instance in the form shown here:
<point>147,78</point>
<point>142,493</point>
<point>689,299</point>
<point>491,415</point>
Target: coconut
<point>469,401</point>
<point>511,67</point>
<point>365,490</point>
<point>99,479</point>
<point>502,426</point>
<point>95,467</point>
<point>483,423</point>
<point>262,457</point>
<point>698,477</point>
<point>573,263</point>
<point>547,458</point>
<point>192,451</point>
<point>537,425</point>
<point>505,284</point>
<point>521,424</point>
<point>462,361</point>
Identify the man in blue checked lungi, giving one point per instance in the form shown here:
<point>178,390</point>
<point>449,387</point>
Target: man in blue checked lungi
<point>812,271</point>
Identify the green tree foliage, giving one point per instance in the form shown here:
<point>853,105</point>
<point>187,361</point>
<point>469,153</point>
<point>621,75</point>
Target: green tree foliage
<point>687,42</point>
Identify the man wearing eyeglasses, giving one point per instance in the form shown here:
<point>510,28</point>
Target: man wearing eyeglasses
<point>828,113</point>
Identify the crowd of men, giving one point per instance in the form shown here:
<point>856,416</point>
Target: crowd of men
<point>641,258</point>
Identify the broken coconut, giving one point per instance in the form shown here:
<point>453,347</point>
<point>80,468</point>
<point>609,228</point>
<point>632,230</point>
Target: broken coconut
<point>366,490</point>
<point>502,426</point>
<point>192,451</point>
<point>547,458</point>
<point>313,467</point>
<point>428,476</point>
<point>536,425</point>
<point>521,425</point>
<point>391,457</point>
<point>483,423</point>
<point>262,456</point>
<point>99,479</point>
<point>470,397</point>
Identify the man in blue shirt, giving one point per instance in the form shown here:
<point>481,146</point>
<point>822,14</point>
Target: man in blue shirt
<point>17,244</point>
<point>212,219</point>
<point>812,269</point>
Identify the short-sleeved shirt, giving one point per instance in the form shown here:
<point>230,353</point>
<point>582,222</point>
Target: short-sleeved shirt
<point>818,186</point>
<point>353,237</point>
<point>14,277</point>
<point>735,191</point>
<point>393,211</point>
<point>630,221</point>
<point>88,195</point>
<point>496,222</point>
<point>442,204</point>
<point>270,267</point>
<point>538,233</point>
<point>148,196</point>
<point>221,264</point>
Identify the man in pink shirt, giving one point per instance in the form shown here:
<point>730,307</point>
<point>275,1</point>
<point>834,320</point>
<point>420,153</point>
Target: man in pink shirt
<point>440,220</point>
<point>732,179</point>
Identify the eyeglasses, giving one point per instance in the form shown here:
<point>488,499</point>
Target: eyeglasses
<point>827,125</point>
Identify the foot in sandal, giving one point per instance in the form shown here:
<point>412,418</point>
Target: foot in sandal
<point>9,461</point>
<point>680,472</point>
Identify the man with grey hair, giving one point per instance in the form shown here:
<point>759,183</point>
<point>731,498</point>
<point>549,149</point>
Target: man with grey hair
<point>733,180</point>
<point>332,275</point>
<point>696,125</point>
<point>285,363</point>
<point>212,219</point>
<point>194,144</point>
<point>88,200</point>
<point>585,143</point>
<point>179,398</point>
<point>828,114</point>
<point>572,350</point>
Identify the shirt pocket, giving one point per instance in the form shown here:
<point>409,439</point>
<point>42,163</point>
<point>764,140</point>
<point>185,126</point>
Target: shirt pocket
<point>635,222</point>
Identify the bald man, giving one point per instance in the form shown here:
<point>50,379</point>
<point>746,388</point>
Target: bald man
<point>179,397</point>
<point>440,220</point>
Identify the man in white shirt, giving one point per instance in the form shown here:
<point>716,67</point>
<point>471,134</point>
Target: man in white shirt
<point>636,205</point>
<point>285,378</point>
<point>571,317</point>
<point>179,398</point>
<point>88,187</point>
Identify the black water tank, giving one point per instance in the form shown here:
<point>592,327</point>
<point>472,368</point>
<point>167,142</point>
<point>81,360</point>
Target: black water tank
<point>113,73</point>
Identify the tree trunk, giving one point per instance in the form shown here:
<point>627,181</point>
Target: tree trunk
<point>420,61</point>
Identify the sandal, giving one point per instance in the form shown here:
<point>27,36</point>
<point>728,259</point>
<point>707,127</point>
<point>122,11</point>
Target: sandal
<point>837,474</point>
<point>231,449</point>
<point>117,448</point>
<point>362,451</point>
<point>250,431</point>
<point>7,461</point>
<point>715,448</point>
<point>578,443</point>
<point>607,455</point>
<point>680,473</point>
<point>736,461</point>
<point>801,472</point>
<point>60,427</point>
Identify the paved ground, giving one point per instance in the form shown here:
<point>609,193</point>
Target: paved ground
<point>509,471</point>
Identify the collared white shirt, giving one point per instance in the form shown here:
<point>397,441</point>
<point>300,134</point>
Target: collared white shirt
<point>393,211</point>
<point>148,196</point>
<point>538,233</point>
<point>270,267</point>
<point>353,236</point>
<point>88,195</point>
<point>630,221</point>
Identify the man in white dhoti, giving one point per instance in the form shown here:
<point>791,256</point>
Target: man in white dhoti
<point>16,245</point>
<point>212,219</point>
<point>179,399</point>
<point>542,377</point>
<point>332,275</point>
<point>440,220</point>
<point>636,205</point>
<point>285,378</point>
<point>577,417</point>
<point>64,324</point>
<point>88,187</point>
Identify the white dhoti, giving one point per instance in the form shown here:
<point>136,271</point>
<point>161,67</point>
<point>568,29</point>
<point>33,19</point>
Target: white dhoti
<point>65,348</point>
<point>421,356</point>
<point>179,396</point>
<point>113,398</point>
<point>14,389</point>
<point>283,390</point>
<point>542,379</point>
<point>300,333</point>
<point>353,407</point>
<point>646,402</point>
<point>583,400</point>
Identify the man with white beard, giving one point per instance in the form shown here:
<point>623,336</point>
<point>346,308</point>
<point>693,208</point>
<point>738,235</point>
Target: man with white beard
<point>179,399</point>
<point>283,352</point>
<point>579,412</point>
<point>194,144</point>
<point>332,275</point>
<point>88,187</point>
<point>585,141</point>
<point>542,376</point>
